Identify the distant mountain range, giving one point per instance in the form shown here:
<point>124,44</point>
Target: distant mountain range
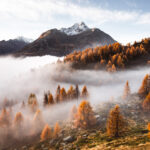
<point>59,42</point>
<point>12,45</point>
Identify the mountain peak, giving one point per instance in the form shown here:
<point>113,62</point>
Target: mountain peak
<point>65,40</point>
<point>77,28</point>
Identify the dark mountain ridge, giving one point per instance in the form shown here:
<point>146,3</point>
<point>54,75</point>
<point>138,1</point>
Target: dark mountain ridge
<point>11,46</point>
<point>62,42</point>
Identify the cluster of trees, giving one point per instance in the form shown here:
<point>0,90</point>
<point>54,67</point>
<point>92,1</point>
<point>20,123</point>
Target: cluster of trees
<point>10,126</point>
<point>63,95</point>
<point>19,126</point>
<point>48,133</point>
<point>111,57</point>
<point>84,117</point>
<point>8,119</point>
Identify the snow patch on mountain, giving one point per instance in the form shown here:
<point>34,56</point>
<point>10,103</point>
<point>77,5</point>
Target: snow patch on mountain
<point>77,28</point>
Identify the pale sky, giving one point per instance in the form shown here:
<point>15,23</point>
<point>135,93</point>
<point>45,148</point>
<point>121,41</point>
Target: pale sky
<point>125,20</point>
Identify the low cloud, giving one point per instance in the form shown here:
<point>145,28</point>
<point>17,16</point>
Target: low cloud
<point>26,80</point>
<point>144,19</point>
<point>102,86</point>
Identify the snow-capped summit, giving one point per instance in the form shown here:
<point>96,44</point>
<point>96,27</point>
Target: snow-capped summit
<point>77,28</point>
<point>64,41</point>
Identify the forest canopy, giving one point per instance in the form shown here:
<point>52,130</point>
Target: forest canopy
<point>111,57</point>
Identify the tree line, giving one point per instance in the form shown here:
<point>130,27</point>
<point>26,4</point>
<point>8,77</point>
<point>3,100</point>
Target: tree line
<point>61,95</point>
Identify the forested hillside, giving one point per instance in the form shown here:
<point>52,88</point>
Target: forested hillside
<point>113,57</point>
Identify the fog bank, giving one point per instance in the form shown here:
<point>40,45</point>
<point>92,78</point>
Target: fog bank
<point>21,76</point>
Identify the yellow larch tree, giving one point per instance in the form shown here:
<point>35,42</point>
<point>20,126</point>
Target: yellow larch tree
<point>85,116</point>
<point>84,93</point>
<point>143,89</point>
<point>46,133</point>
<point>115,123</point>
<point>18,121</point>
<point>127,91</point>
<point>146,103</point>
<point>56,130</point>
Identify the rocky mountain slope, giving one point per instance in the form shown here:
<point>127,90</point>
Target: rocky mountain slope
<point>64,41</point>
<point>12,45</point>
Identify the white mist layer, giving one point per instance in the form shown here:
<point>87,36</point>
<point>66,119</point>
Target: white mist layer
<point>11,66</point>
<point>17,73</point>
<point>22,76</point>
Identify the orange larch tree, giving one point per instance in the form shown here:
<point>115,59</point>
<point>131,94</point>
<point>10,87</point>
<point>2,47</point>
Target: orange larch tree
<point>38,122</point>
<point>63,95</point>
<point>143,89</point>
<point>103,62</point>
<point>115,123</point>
<point>71,94</point>
<point>109,65</point>
<point>146,103</point>
<point>46,133</point>
<point>84,93</point>
<point>120,62</point>
<point>50,99</point>
<point>127,91</point>
<point>85,116</point>
<point>113,68</point>
<point>18,119</point>
<point>5,118</point>
<point>56,130</point>
<point>148,127</point>
<point>38,118</point>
